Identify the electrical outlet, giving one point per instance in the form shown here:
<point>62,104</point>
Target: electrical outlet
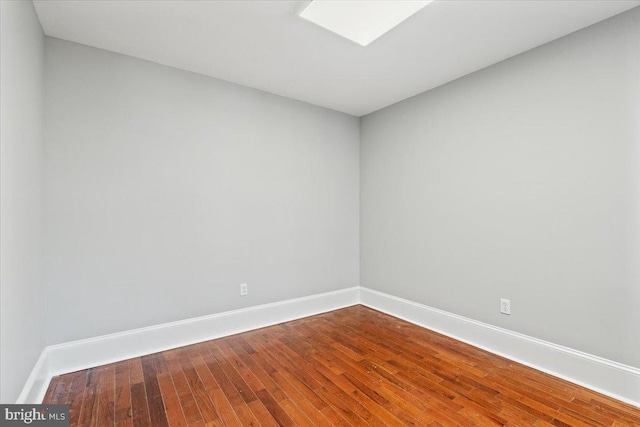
<point>505,306</point>
<point>243,289</point>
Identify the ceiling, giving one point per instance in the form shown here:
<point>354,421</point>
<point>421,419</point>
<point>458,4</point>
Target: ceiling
<point>265,45</point>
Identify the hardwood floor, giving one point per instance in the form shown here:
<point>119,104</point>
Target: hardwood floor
<point>350,367</point>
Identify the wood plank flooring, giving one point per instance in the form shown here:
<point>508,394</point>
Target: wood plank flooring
<point>350,367</point>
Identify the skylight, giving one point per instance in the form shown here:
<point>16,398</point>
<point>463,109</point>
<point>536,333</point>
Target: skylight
<point>361,21</point>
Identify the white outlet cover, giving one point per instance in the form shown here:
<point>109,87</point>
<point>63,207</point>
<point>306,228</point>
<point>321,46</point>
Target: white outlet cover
<point>505,306</point>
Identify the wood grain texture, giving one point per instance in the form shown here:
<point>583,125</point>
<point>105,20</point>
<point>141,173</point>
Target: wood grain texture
<point>350,367</point>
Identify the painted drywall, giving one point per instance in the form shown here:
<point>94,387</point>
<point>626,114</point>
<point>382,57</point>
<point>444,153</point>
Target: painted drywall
<point>165,190</point>
<point>520,181</point>
<point>22,336</point>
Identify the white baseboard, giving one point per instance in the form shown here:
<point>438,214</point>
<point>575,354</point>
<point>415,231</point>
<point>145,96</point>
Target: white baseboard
<point>614,379</point>
<point>82,354</point>
<point>38,381</point>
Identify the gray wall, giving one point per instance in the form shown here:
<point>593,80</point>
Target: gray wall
<point>518,181</point>
<point>167,189</point>
<point>22,310</point>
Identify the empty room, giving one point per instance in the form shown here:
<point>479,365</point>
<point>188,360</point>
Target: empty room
<point>317,213</point>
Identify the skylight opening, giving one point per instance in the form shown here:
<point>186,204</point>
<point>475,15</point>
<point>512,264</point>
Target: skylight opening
<point>361,21</point>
